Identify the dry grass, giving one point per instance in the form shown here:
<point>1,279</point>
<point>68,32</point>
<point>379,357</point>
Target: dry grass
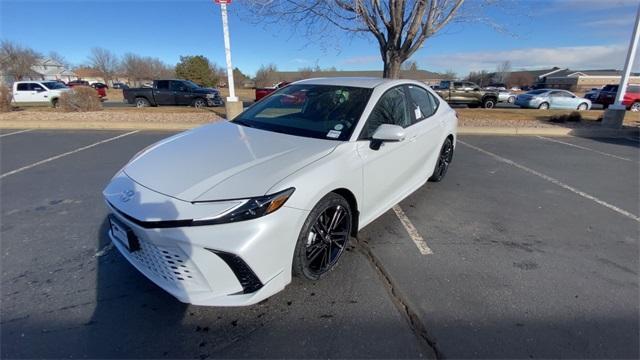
<point>242,93</point>
<point>114,94</point>
<point>148,117</point>
<point>5,98</point>
<point>531,117</point>
<point>80,99</point>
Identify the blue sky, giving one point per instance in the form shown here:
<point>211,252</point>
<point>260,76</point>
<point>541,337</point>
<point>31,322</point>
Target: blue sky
<point>540,33</point>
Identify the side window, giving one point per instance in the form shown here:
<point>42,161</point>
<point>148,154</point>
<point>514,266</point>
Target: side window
<point>36,87</point>
<point>424,104</point>
<point>162,85</point>
<point>457,85</point>
<point>23,87</point>
<point>178,86</point>
<point>391,109</point>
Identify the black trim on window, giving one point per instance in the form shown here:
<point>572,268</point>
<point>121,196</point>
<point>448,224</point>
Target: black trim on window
<point>247,278</point>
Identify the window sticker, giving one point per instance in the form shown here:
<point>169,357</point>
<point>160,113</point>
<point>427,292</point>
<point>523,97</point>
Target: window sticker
<point>334,134</point>
<point>418,112</point>
<point>338,127</point>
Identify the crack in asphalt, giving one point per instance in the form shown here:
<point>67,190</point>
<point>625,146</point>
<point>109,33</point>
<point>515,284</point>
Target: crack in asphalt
<point>417,327</point>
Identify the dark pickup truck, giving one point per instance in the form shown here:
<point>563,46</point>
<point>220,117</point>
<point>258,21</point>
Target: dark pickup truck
<point>467,93</point>
<point>173,92</point>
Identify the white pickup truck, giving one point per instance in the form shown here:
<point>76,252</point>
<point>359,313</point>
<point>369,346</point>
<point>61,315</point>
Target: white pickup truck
<point>38,92</point>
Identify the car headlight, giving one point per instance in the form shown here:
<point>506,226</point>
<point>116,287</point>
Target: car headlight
<point>248,208</point>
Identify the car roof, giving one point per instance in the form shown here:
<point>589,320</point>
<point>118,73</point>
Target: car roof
<point>363,82</point>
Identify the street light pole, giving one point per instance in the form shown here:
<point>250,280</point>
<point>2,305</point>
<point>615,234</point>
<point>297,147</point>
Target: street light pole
<point>227,52</point>
<point>233,107</point>
<point>614,116</point>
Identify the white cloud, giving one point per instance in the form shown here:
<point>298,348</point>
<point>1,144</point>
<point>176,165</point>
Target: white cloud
<point>575,57</point>
<point>300,61</point>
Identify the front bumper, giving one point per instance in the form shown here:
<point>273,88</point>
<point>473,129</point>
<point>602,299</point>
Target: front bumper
<point>231,264</point>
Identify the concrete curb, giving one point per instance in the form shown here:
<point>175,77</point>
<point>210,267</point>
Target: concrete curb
<point>464,130</point>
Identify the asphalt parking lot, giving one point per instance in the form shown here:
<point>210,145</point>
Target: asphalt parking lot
<point>533,252</point>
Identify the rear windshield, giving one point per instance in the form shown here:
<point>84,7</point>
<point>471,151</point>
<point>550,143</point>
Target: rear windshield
<point>317,111</point>
<point>610,88</point>
<point>633,89</point>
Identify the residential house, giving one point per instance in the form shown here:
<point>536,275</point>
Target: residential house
<point>44,69</point>
<point>585,80</point>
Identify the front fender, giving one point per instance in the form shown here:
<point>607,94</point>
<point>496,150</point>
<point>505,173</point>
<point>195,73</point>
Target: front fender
<point>342,168</point>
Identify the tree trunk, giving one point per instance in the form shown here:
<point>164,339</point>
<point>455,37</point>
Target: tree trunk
<point>392,64</point>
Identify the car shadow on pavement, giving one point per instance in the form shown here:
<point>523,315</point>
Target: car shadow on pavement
<point>134,318</point>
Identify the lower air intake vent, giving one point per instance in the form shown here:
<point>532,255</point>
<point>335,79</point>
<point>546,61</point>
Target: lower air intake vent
<point>248,279</point>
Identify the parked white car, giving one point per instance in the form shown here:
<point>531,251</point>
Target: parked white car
<point>38,92</point>
<point>224,214</point>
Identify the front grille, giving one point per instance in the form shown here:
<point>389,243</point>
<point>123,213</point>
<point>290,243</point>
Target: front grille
<point>170,264</point>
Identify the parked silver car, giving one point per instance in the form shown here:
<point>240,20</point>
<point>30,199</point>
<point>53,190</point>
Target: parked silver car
<point>552,99</point>
<point>506,96</point>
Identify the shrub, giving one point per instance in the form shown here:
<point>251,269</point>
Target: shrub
<point>5,98</point>
<point>80,98</point>
<point>574,116</point>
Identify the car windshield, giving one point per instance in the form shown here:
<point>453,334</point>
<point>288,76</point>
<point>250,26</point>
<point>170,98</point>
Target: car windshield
<point>317,111</point>
<point>191,84</point>
<point>53,85</point>
<point>536,92</point>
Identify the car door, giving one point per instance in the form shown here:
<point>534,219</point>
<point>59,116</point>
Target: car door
<point>388,171</point>
<point>559,100</point>
<point>163,94</point>
<point>182,93</point>
<point>22,93</point>
<point>429,129</point>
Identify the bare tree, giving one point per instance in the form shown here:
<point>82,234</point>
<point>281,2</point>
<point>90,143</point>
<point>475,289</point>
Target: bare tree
<point>450,75</point>
<point>502,72</point>
<point>400,27</point>
<point>16,61</point>
<point>267,75</point>
<point>138,68</point>
<point>410,65</point>
<point>105,62</point>
<point>57,57</point>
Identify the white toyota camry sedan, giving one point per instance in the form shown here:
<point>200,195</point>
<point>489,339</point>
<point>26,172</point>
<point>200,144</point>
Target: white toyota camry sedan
<point>225,214</point>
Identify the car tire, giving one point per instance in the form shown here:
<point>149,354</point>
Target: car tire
<point>317,251</point>
<point>635,107</point>
<point>544,106</point>
<point>511,100</point>
<point>583,107</point>
<point>444,160</point>
<point>142,102</point>
<point>199,103</point>
<point>55,103</point>
<point>488,103</point>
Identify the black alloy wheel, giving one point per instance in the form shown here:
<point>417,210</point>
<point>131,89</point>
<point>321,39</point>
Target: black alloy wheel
<point>324,237</point>
<point>444,159</point>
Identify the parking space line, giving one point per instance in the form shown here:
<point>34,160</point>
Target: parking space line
<point>554,181</point>
<point>412,231</point>
<point>584,148</point>
<point>15,133</point>
<point>65,154</point>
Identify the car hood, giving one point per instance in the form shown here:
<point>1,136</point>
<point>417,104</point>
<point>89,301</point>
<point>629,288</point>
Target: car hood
<point>223,161</point>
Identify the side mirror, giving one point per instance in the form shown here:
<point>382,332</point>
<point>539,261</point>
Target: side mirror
<point>39,89</point>
<point>476,89</point>
<point>386,133</point>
